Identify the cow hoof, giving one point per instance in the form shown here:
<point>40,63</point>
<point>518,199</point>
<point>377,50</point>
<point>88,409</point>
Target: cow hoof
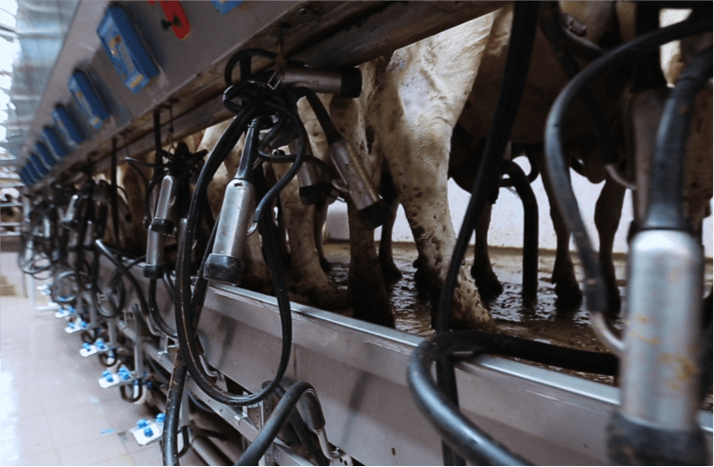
<point>489,287</point>
<point>391,272</point>
<point>325,265</point>
<point>472,321</point>
<point>569,296</point>
<point>421,279</point>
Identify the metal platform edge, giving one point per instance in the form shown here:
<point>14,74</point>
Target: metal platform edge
<point>359,372</point>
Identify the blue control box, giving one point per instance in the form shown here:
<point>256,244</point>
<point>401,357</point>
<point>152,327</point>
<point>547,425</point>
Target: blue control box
<point>33,172</point>
<point>67,126</point>
<point>224,6</point>
<point>124,47</point>
<point>88,99</point>
<point>35,162</point>
<point>57,147</point>
<point>45,155</point>
<point>25,177</point>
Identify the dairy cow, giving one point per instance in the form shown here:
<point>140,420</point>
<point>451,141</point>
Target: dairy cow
<point>421,98</point>
<point>413,117</point>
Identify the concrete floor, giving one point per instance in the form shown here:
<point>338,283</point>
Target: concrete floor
<point>52,410</point>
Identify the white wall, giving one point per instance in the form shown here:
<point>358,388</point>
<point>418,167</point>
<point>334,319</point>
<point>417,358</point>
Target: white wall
<point>507,218</point>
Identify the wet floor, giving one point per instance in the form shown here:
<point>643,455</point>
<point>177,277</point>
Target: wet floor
<point>544,322</point>
<point>52,409</point>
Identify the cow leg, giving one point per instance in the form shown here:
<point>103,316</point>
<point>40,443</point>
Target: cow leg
<point>386,259</point>
<point>299,221</point>
<point>482,271</point>
<point>566,285</point>
<point>320,219</point>
<point>413,115</point>
<point>608,211</point>
<point>368,292</point>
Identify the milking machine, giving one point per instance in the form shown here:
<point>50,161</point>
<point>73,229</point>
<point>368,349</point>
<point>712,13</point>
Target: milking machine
<point>259,364</point>
<point>265,105</point>
<point>660,390</point>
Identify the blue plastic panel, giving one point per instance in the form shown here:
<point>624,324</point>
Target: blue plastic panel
<point>32,172</point>
<point>28,176</point>
<point>224,6</point>
<point>67,126</point>
<point>25,177</point>
<point>55,144</point>
<point>125,49</point>
<point>47,158</point>
<point>38,165</point>
<point>88,99</point>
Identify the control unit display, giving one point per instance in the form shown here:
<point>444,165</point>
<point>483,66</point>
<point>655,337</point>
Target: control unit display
<point>127,53</point>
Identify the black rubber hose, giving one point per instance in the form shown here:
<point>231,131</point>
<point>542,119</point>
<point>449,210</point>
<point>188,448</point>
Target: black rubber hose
<point>186,328</point>
<point>462,435</point>
<point>665,203</point>
<point>453,427</point>
<point>583,47</point>
<point>520,49</point>
<point>199,403</point>
<point>594,280</point>
<point>169,448</point>
<point>144,314</point>
<point>277,419</point>
<point>156,314</point>
<point>292,172</point>
<point>115,192</point>
<point>169,283</point>
<point>158,371</point>
<point>95,289</point>
<point>250,150</point>
<point>131,399</point>
<point>529,286</point>
<point>307,437</point>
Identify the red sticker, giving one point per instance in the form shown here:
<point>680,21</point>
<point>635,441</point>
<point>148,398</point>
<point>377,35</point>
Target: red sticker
<point>176,17</point>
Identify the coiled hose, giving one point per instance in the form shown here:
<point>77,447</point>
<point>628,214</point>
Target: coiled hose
<point>461,434</point>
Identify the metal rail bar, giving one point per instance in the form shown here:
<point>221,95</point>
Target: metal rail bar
<point>359,372</point>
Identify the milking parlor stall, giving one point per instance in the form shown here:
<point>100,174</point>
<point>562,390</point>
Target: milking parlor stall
<point>374,233</point>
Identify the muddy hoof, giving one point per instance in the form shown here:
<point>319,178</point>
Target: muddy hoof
<point>391,272</point>
<point>421,280</point>
<point>325,265</point>
<point>489,287</point>
<point>470,323</point>
<point>569,298</point>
